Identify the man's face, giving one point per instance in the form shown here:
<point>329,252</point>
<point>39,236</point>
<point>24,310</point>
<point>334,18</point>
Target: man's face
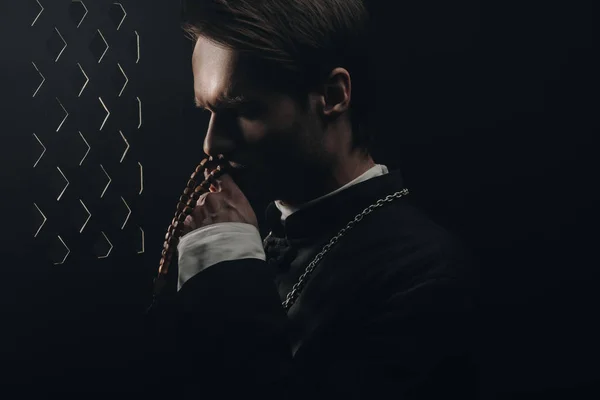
<point>266,131</point>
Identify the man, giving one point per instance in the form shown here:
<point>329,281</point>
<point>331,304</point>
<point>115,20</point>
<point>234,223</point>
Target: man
<point>386,310</point>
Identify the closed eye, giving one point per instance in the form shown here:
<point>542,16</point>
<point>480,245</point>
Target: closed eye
<point>250,110</point>
<point>238,106</point>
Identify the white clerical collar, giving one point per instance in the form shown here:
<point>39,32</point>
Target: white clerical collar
<point>287,210</point>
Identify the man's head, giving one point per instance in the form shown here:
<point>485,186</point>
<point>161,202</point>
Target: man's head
<point>283,80</point>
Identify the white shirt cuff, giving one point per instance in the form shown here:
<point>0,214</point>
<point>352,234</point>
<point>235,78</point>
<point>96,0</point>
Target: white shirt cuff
<point>215,243</point>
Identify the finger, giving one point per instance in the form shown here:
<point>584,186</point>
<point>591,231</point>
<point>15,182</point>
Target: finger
<point>210,202</point>
<point>214,187</point>
<point>226,184</point>
<point>202,199</point>
<point>189,224</point>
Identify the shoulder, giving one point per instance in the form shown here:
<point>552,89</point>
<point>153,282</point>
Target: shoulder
<point>403,243</point>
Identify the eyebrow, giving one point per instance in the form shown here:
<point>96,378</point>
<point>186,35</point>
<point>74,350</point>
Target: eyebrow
<point>225,100</point>
<point>222,102</point>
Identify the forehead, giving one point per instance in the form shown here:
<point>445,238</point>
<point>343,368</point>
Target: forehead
<point>215,68</point>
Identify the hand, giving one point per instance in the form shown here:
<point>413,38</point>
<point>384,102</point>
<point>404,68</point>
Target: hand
<point>224,203</point>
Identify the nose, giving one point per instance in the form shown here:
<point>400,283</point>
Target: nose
<point>218,139</point>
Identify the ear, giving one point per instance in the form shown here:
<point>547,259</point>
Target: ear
<point>336,93</point>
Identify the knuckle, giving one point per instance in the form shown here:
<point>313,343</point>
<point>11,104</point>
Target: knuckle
<point>202,199</point>
<point>209,201</point>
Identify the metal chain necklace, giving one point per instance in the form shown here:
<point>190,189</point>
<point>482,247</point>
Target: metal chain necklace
<point>292,296</point>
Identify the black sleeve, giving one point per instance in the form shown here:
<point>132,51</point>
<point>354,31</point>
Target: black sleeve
<point>230,340</point>
<point>226,334</point>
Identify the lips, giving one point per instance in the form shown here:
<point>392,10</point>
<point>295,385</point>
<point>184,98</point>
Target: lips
<point>232,167</point>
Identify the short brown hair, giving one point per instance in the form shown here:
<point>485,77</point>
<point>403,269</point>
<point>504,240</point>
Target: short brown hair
<point>294,41</point>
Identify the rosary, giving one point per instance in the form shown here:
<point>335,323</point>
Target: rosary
<point>187,203</point>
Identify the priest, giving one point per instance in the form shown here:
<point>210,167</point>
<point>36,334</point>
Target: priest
<point>354,293</point>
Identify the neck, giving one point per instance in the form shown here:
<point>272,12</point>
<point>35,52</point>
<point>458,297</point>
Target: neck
<point>346,169</point>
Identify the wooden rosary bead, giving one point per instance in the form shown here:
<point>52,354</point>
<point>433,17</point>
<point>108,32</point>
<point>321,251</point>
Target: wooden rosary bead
<point>215,174</point>
<point>169,250</point>
<point>181,207</point>
<point>177,216</point>
<point>181,217</point>
<point>187,191</point>
<point>202,165</point>
<point>165,267</point>
<point>194,200</point>
<point>169,233</point>
<point>205,186</point>
<point>183,198</point>
<point>188,210</point>
<point>191,183</point>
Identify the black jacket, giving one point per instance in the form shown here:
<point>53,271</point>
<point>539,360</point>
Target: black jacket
<point>388,313</point>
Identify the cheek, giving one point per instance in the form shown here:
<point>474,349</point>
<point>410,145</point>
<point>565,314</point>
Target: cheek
<point>283,112</point>
<point>276,141</point>
<point>252,131</point>
<point>278,124</point>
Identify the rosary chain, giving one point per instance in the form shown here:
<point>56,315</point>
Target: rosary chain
<point>292,296</point>
<point>195,189</point>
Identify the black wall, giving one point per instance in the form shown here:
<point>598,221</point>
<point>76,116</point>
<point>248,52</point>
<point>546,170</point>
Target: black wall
<point>489,109</point>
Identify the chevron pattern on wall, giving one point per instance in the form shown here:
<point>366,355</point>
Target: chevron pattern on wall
<point>87,130</point>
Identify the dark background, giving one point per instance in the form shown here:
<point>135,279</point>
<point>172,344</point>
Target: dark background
<point>489,110</point>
